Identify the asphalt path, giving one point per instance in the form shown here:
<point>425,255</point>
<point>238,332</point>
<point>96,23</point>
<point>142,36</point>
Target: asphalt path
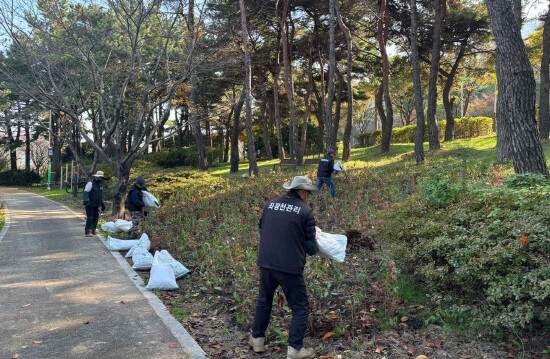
<point>63,295</point>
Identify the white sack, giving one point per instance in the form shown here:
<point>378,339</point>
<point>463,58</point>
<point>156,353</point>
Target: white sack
<point>162,275</point>
<point>150,200</point>
<point>332,246</point>
<point>142,242</point>
<point>114,244</point>
<point>179,269</point>
<point>123,226</point>
<point>142,259</point>
<point>338,166</point>
<point>109,227</point>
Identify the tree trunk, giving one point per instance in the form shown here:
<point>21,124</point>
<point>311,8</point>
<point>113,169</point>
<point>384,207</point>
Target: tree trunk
<point>387,119</point>
<point>418,96</point>
<point>545,80</point>
<point>320,113</point>
<point>289,86</point>
<point>447,103</point>
<point>349,118</point>
<point>27,145</point>
<point>228,135</point>
<point>265,127</point>
<point>195,121</point>
<point>518,13</point>
<point>253,167</point>
<point>307,98</point>
<point>518,90</point>
<point>379,104</point>
<point>235,134</point>
<point>434,70</point>
<point>331,74</point>
<point>276,74</point>
<point>123,176</point>
<point>337,110</point>
<point>57,144</point>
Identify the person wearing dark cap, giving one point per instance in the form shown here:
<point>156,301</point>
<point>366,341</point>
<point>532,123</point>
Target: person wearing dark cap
<point>134,204</point>
<point>93,200</point>
<point>287,234</point>
<point>325,170</point>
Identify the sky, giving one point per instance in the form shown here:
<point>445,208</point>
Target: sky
<point>533,11</point>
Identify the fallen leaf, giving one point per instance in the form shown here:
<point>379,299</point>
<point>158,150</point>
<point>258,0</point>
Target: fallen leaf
<point>325,357</point>
<point>27,305</point>
<point>328,335</point>
<point>524,240</point>
<point>172,346</point>
<point>37,342</point>
<point>421,357</point>
<point>334,316</point>
<point>15,356</point>
<point>378,350</point>
<point>163,340</point>
<point>195,315</point>
<point>404,319</point>
<point>433,346</point>
<point>122,302</point>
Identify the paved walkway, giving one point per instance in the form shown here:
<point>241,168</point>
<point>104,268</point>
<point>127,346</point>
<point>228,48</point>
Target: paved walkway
<point>63,291</point>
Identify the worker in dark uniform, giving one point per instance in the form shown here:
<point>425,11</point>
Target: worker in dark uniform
<point>134,204</point>
<point>93,200</point>
<point>287,234</point>
<point>325,170</point>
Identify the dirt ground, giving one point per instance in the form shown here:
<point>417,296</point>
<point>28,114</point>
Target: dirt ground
<point>208,318</point>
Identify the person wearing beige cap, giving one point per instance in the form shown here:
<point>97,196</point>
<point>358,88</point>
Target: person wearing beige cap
<point>93,199</point>
<point>287,235</point>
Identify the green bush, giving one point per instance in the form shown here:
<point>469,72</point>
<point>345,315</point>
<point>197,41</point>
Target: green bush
<point>484,256</point>
<point>186,156</point>
<point>19,178</point>
<point>466,127</point>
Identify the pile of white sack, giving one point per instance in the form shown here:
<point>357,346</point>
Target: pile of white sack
<point>116,227</point>
<point>164,268</point>
<point>331,246</point>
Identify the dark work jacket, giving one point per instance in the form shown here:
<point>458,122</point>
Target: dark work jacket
<point>287,233</point>
<point>94,198</point>
<point>326,166</point>
<point>134,200</point>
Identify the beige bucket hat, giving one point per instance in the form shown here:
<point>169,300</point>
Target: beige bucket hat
<point>301,182</point>
<point>99,174</point>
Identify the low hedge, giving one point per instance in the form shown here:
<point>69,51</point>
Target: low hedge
<point>19,178</point>
<point>466,127</point>
<point>186,156</point>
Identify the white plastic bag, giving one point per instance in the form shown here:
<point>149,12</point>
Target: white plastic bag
<point>338,166</point>
<point>142,242</point>
<point>109,227</point>
<point>179,269</point>
<point>123,226</point>
<point>150,200</point>
<point>331,246</point>
<point>142,259</point>
<point>114,244</point>
<point>162,275</point>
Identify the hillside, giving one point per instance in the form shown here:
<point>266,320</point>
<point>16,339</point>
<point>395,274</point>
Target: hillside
<point>420,242</point>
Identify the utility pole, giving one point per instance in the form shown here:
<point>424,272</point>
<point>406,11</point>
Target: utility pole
<point>50,153</point>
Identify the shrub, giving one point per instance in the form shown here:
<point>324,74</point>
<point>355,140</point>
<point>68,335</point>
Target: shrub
<point>484,257</point>
<point>19,178</point>
<point>466,127</point>
<point>186,156</point>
